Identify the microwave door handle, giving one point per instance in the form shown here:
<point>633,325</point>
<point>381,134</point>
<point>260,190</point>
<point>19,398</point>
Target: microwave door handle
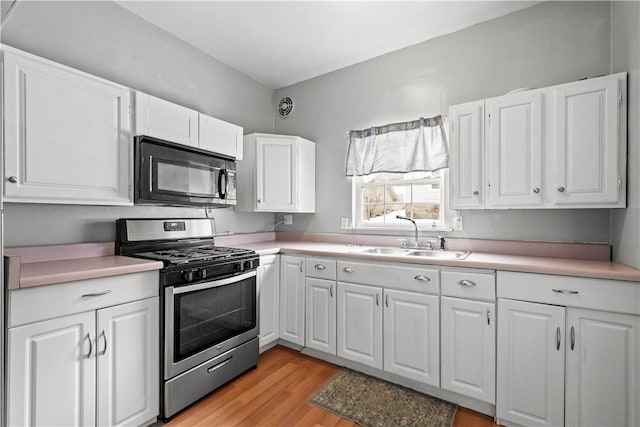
<point>223,190</point>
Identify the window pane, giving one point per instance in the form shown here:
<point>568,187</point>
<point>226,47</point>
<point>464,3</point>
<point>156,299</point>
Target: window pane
<point>426,211</point>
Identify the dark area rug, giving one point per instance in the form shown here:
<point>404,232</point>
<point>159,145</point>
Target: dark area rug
<point>371,402</point>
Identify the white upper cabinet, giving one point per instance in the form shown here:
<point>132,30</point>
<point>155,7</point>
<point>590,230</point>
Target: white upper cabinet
<point>587,149</point>
<point>166,120</point>
<point>67,134</point>
<point>277,174</point>
<point>561,146</point>
<point>220,137</point>
<point>466,143</point>
<point>514,157</point>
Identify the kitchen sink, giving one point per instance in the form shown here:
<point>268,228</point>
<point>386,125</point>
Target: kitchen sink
<point>427,253</point>
<point>439,254</point>
<point>385,251</point>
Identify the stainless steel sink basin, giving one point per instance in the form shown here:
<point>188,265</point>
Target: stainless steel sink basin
<point>414,252</point>
<point>439,254</point>
<point>385,251</point>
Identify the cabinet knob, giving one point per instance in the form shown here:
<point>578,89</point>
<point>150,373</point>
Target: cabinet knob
<point>536,190</point>
<point>13,179</point>
<point>561,189</point>
<point>259,200</point>
<point>476,193</point>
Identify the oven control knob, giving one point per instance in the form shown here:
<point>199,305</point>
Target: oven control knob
<point>248,265</point>
<point>202,273</point>
<point>187,275</point>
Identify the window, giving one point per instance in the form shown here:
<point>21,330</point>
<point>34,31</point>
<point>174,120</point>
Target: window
<point>423,196</point>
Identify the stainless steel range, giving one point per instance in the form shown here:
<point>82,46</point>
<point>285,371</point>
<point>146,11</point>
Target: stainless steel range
<point>208,305</point>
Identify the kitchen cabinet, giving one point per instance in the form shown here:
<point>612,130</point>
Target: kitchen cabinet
<point>409,333</point>
<point>359,327</point>
<point>466,136</point>
<point>292,299</point>
<point>321,297</point>
<point>277,174</point>
<point>219,136</point>
<point>67,134</point>
<point>269,294</point>
<point>556,147</point>
<point>468,333</point>
<point>96,365</point>
<point>165,120</point>
<point>514,149</point>
<point>412,336</point>
<point>569,352</point>
<point>588,168</point>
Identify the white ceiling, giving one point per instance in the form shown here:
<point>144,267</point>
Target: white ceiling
<point>279,43</point>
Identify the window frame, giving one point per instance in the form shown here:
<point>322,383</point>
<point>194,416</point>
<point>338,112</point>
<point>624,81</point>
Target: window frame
<point>446,213</point>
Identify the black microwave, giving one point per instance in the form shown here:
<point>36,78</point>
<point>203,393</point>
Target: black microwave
<point>173,174</point>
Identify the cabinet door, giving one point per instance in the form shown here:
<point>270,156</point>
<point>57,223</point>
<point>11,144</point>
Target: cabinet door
<point>321,315</point>
<point>468,348</point>
<point>67,135</point>
<point>52,371</point>
<point>466,136</point>
<point>602,368</point>
<point>412,336</point>
<point>292,299</point>
<point>530,379</point>
<point>360,324</point>
<point>166,120</point>
<point>219,136</point>
<point>269,294</point>
<point>514,133</point>
<point>128,348</point>
<point>587,142</point>
<point>275,174</point>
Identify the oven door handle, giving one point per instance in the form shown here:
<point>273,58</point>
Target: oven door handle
<point>214,283</point>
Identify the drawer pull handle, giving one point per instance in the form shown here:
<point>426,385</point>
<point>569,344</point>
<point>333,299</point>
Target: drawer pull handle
<point>88,337</point>
<point>348,270</point>
<point>319,267</point>
<point>465,282</point>
<point>97,294</point>
<point>565,291</point>
<point>219,365</point>
<point>422,278</point>
<point>558,338</point>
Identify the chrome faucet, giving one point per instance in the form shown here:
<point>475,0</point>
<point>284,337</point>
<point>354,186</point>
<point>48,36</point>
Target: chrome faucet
<point>415,243</point>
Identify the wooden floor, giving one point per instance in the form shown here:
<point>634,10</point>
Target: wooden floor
<point>276,393</point>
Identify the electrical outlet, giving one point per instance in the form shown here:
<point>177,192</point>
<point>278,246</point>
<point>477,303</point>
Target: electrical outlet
<point>457,223</point>
<point>288,219</point>
<point>344,223</point>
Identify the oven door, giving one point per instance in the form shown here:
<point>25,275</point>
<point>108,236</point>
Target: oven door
<point>206,319</point>
<point>172,174</point>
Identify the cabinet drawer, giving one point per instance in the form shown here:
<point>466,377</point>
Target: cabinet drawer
<point>47,302</point>
<point>321,268</point>
<point>470,285</point>
<point>583,292</point>
<point>391,275</point>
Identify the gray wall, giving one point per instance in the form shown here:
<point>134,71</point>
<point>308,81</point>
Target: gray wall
<point>625,56</point>
<point>547,44</point>
<point>106,40</point>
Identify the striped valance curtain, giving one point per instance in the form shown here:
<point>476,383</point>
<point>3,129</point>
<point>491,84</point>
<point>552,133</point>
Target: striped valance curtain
<point>416,146</point>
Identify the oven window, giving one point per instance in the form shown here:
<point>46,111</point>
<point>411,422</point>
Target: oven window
<point>207,317</point>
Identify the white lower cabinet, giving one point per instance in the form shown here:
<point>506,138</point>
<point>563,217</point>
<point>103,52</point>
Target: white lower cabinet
<point>468,335</point>
<point>411,336</point>
<point>320,315</point>
<point>92,368</point>
<point>269,296</point>
<point>567,366</point>
<point>360,324</point>
<point>292,278</point>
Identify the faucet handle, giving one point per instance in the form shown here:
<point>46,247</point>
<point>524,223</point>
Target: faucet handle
<point>404,243</point>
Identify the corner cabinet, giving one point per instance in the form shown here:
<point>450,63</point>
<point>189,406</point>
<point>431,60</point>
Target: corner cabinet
<point>568,351</point>
<point>67,134</point>
<point>84,353</point>
<point>562,146</point>
<point>277,174</point>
